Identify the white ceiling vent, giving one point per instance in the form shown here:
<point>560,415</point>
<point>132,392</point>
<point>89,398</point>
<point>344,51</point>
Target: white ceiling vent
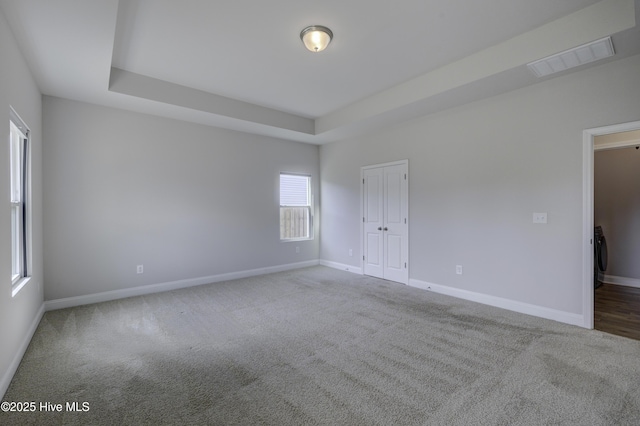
<point>577,56</point>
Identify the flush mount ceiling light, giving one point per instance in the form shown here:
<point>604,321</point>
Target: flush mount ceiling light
<point>316,38</point>
<point>575,57</point>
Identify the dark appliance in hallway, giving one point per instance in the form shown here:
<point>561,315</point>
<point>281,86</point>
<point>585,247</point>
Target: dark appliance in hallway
<point>600,262</point>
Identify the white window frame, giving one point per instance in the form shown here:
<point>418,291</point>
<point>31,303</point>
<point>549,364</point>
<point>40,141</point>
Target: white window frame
<point>308,207</point>
<point>20,201</point>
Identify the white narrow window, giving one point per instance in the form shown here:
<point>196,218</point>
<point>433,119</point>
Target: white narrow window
<point>296,219</point>
<point>19,169</point>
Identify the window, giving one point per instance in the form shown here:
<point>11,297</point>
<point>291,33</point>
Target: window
<point>19,169</point>
<point>296,219</point>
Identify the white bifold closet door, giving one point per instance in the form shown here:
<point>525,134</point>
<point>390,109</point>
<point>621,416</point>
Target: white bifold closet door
<point>385,208</point>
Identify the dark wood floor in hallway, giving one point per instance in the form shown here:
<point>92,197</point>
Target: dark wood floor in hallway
<point>617,310</point>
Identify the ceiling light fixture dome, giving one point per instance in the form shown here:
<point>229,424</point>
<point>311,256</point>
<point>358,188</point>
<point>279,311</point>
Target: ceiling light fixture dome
<point>316,38</point>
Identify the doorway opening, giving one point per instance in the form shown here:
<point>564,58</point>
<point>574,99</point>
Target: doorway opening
<point>589,147</point>
<point>617,215</point>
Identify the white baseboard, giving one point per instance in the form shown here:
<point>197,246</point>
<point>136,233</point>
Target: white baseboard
<point>499,302</point>
<point>5,381</point>
<point>627,282</point>
<point>69,302</point>
<point>341,266</point>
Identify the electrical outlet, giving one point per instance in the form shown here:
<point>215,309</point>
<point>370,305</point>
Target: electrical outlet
<point>297,249</point>
<point>350,252</point>
<point>459,269</point>
<point>140,269</point>
<point>540,218</point>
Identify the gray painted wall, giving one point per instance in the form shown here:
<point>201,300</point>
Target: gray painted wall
<point>184,200</point>
<point>617,208</point>
<point>188,201</point>
<point>17,314</point>
<point>477,173</point>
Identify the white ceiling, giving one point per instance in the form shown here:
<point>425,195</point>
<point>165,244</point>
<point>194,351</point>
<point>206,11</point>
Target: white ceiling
<point>241,64</point>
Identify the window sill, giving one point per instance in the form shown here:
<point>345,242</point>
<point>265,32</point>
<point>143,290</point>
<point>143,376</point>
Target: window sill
<point>15,288</point>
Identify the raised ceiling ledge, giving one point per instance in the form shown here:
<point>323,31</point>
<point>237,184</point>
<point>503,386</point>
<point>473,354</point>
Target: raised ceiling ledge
<point>489,72</point>
<point>599,20</point>
<point>141,86</point>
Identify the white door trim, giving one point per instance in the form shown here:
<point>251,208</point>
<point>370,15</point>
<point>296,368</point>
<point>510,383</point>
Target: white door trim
<point>406,242</point>
<point>588,137</point>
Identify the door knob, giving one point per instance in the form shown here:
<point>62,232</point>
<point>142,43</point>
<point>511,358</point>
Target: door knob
<point>379,228</point>
<point>386,229</point>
